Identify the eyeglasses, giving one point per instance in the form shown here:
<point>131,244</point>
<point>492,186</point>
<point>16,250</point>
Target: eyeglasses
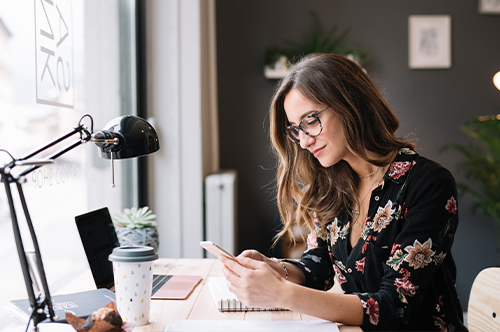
<point>310,125</point>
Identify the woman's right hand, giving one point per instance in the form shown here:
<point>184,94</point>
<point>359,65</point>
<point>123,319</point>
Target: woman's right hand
<point>255,255</point>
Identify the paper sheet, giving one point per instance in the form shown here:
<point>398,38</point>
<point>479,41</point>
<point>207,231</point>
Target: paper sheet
<point>252,325</point>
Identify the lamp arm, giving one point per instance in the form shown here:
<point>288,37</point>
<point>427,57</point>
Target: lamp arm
<point>7,178</point>
<point>81,129</point>
<point>38,313</point>
<point>41,270</point>
<point>52,157</point>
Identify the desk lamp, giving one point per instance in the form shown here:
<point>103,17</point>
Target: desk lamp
<point>124,137</point>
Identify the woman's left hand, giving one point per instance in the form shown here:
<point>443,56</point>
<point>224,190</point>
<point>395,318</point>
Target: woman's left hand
<point>254,282</point>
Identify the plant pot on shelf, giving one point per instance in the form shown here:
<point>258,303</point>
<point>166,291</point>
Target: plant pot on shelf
<point>147,236</point>
<point>316,40</point>
<point>278,69</point>
<point>136,227</point>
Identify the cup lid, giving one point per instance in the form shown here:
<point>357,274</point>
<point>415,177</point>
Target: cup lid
<point>133,254</point>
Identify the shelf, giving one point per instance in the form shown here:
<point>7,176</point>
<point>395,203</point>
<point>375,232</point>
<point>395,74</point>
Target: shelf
<point>273,73</point>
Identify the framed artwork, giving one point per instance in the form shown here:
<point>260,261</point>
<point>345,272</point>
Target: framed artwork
<point>429,39</point>
<point>489,6</point>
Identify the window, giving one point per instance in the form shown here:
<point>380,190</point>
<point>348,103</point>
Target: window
<point>59,60</point>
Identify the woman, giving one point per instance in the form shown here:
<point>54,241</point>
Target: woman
<point>382,218</point>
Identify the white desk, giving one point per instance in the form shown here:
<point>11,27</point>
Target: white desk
<point>199,305</point>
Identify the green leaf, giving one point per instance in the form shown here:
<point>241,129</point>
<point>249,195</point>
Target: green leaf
<point>481,165</point>
<point>135,218</point>
<point>317,39</point>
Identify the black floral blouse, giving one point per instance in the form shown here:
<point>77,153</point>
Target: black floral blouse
<point>401,268</point>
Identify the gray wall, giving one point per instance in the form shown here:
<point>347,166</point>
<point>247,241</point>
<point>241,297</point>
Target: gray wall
<point>431,104</point>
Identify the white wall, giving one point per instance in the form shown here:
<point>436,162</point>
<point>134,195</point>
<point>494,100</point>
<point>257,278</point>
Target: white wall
<point>178,65</point>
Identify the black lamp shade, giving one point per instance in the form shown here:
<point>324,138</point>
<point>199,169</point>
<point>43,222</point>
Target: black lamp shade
<point>136,138</point>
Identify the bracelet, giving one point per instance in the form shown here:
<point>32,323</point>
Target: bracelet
<point>284,267</point>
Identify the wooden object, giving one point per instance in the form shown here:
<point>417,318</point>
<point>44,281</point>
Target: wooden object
<point>484,302</point>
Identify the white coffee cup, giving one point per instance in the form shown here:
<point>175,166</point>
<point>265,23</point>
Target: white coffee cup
<point>133,274</point>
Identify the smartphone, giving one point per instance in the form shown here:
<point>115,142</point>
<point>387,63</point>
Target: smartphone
<point>215,249</point>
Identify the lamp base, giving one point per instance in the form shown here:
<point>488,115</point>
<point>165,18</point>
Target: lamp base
<point>44,327</point>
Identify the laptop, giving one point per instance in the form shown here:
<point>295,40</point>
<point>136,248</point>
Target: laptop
<point>98,237</point>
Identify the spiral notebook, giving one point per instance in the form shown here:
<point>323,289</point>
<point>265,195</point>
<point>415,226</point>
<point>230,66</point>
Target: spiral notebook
<point>226,301</point>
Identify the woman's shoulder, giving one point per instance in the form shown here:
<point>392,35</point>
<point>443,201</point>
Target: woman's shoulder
<point>418,161</point>
<point>425,169</point>
<point>431,168</point>
<point>420,168</point>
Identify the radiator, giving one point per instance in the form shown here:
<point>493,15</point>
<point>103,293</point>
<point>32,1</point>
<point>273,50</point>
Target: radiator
<point>221,209</point>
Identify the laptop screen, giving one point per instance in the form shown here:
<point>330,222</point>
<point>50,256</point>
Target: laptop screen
<point>98,239</point>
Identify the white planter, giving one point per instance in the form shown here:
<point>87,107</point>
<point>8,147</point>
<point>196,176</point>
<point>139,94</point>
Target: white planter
<point>279,70</point>
<point>147,236</point>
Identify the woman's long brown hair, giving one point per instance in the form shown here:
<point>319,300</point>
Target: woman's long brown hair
<point>304,187</point>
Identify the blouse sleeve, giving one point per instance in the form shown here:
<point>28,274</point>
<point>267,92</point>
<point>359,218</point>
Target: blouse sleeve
<point>315,262</point>
<point>429,216</point>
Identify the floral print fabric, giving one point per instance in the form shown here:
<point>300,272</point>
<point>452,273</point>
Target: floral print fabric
<point>401,268</point>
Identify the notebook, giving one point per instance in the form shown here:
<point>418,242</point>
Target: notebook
<point>226,301</point>
<point>98,236</point>
<point>80,304</point>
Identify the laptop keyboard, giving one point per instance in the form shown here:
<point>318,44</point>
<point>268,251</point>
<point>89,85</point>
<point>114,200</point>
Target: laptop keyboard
<point>158,281</point>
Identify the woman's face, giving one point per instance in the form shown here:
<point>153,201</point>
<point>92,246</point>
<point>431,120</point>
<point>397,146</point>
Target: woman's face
<point>328,147</point>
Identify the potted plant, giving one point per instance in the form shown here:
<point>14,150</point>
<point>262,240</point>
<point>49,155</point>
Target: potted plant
<point>482,165</point>
<point>317,40</point>
<point>136,227</point>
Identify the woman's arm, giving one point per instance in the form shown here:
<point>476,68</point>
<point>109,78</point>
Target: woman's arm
<point>257,283</point>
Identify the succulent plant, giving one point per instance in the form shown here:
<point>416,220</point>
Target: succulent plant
<point>135,218</point>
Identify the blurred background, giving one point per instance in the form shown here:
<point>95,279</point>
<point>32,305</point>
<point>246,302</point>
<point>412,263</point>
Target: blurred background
<point>196,70</point>
<point>431,104</point>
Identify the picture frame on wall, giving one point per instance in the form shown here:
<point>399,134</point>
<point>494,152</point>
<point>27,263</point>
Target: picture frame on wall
<point>429,41</point>
<point>489,6</point>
